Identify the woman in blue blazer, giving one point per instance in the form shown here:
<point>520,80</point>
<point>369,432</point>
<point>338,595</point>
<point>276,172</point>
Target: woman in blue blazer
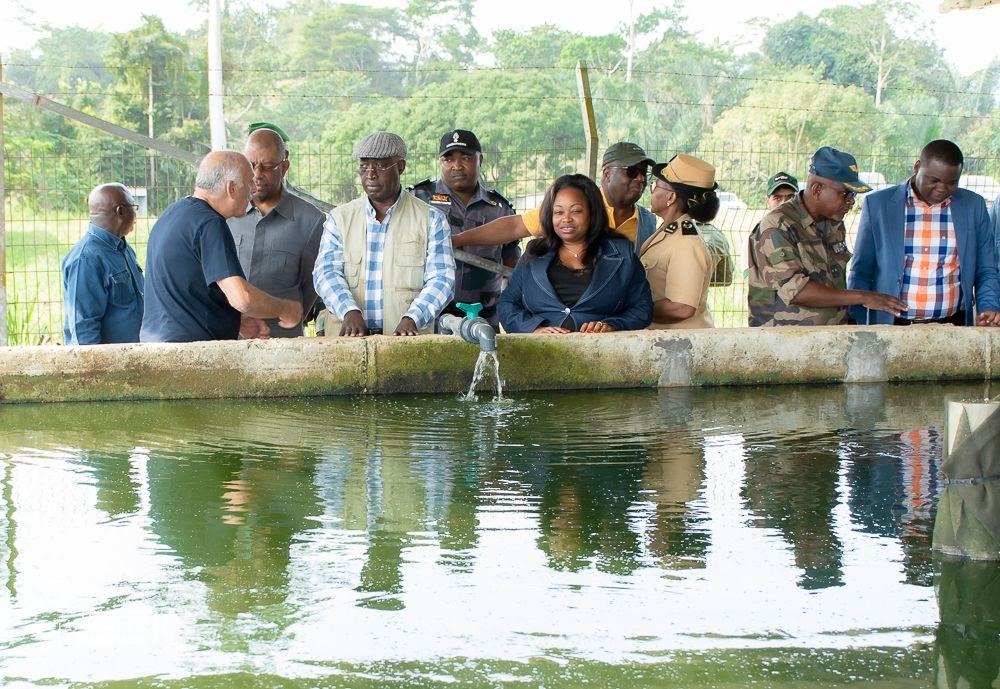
<point>579,276</point>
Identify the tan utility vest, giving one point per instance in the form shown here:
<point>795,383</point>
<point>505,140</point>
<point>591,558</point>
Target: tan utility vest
<point>404,257</point>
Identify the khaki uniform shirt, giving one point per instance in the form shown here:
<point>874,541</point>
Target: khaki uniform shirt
<point>679,267</point>
<point>787,251</point>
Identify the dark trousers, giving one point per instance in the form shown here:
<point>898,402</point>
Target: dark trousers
<point>958,318</point>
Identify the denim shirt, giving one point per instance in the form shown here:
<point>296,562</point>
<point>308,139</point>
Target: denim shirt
<point>102,290</point>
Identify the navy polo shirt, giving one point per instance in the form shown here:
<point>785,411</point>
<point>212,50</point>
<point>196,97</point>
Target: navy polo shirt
<point>190,249</point>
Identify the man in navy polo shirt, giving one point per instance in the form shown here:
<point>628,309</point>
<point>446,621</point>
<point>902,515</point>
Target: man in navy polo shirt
<point>195,287</point>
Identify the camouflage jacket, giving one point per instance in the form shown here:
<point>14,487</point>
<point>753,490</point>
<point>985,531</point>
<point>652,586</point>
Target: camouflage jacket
<point>788,250</point>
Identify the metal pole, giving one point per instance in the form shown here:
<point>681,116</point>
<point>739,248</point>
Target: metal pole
<point>216,117</point>
<point>3,229</point>
<point>589,126</point>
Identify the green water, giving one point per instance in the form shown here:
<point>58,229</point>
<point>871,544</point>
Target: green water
<point>772,537</point>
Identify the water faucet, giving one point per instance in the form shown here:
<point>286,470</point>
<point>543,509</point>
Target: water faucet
<point>472,328</point>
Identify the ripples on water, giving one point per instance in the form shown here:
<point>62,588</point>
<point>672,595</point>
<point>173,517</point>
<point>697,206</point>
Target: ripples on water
<point>676,537</point>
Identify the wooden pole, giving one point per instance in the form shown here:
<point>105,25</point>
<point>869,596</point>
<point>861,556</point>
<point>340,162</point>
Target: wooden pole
<point>589,125</point>
<point>3,230</point>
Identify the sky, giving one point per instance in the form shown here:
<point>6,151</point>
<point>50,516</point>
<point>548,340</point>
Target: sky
<point>969,37</point>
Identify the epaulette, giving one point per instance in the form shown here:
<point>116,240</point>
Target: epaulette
<point>499,199</point>
<point>685,226</point>
<point>423,190</point>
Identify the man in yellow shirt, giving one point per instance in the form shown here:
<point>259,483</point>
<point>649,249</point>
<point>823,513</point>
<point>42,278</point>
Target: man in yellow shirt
<point>624,175</point>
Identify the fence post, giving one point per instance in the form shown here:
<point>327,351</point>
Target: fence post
<point>589,126</point>
<point>3,230</point>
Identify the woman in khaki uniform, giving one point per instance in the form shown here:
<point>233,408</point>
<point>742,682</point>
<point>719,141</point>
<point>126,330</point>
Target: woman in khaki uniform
<point>678,265</point>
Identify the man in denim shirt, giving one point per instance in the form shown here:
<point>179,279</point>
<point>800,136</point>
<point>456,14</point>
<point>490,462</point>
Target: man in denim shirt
<point>102,283</point>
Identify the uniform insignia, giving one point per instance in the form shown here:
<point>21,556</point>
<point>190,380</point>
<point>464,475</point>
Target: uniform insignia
<point>688,227</point>
<point>454,137</point>
<point>440,198</point>
<point>840,247</point>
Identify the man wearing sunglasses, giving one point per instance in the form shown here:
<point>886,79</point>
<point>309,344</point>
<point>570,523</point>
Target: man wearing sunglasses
<point>798,255</point>
<point>278,239</point>
<point>931,244</point>
<point>385,263</point>
<point>102,283</point>
<point>624,176</point>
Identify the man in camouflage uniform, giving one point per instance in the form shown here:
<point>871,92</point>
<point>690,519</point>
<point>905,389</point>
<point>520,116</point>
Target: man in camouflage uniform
<point>467,204</point>
<point>798,255</point>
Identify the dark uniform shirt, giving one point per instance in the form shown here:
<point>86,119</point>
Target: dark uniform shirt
<point>788,250</point>
<point>278,251</point>
<point>472,284</point>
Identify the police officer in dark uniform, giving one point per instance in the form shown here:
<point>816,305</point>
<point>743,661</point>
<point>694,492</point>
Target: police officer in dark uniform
<point>460,196</point>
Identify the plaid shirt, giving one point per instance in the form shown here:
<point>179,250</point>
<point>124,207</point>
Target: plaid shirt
<point>439,270</point>
<point>931,279</point>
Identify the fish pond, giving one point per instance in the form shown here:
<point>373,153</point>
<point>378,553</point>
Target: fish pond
<point>768,537</point>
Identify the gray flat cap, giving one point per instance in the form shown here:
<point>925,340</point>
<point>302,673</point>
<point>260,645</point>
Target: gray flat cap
<point>380,145</point>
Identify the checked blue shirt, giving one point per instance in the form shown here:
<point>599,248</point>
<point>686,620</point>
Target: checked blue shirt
<point>439,270</point>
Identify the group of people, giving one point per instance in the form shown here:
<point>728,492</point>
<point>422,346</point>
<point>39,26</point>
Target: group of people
<point>243,256</point>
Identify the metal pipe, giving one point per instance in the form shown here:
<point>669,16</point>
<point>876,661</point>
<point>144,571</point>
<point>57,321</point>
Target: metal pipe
<point>475,330</point>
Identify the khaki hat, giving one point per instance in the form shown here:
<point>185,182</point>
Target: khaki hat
<point>687,170</point>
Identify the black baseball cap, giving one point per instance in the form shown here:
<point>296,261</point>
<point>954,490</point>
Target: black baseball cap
<point>460,140</point>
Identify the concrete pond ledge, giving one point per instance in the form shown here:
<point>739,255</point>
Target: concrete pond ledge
<point>384,364</point>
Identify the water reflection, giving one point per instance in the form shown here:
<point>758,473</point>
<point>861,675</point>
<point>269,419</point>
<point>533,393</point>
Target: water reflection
<point>968,637</point>
<point>611,527</point>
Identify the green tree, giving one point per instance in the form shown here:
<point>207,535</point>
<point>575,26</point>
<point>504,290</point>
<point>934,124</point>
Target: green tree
<point>540,46</point>
<point>779,125</point>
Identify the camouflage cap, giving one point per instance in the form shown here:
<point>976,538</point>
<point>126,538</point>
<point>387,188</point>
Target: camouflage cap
<point>837,166</point>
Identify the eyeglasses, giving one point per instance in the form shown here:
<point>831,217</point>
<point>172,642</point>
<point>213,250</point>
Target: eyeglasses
<point>633,171</point>
<point>845,194</point>
<point>378,168</point>
<point>265,167</point>
<point>133,206</point>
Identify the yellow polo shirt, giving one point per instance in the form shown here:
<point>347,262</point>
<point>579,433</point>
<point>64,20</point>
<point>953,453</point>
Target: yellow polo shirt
<point>532,220</point>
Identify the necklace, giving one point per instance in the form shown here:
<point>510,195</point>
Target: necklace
<point>574,254</point>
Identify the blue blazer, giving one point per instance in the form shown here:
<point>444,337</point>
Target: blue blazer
<point>878,260</point>
<point>618,294</point>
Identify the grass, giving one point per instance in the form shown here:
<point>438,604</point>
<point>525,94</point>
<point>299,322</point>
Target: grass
<point>35,249</point>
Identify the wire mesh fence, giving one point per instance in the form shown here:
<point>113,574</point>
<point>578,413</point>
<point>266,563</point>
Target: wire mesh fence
<point>45,219</point>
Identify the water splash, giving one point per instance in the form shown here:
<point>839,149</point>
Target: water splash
<point>481,365</point>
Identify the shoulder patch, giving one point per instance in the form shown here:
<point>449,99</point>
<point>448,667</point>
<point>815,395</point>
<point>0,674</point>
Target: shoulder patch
<point>498,199</point>
<point>687,227</point>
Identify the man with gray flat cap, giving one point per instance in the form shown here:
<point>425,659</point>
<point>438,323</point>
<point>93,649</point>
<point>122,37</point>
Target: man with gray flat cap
<point>278,239</point>
<point>468,204</point>
<point>798,255</point>
<point>385,259</point>
<point>624,176</point>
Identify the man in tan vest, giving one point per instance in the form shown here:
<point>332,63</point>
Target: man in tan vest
<point>385,259</point>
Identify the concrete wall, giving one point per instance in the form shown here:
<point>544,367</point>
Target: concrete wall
<point>382,364</point>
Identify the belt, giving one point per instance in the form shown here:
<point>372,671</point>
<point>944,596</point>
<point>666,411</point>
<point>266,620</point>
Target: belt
<point>957,318</point>
<point>375,331</point>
